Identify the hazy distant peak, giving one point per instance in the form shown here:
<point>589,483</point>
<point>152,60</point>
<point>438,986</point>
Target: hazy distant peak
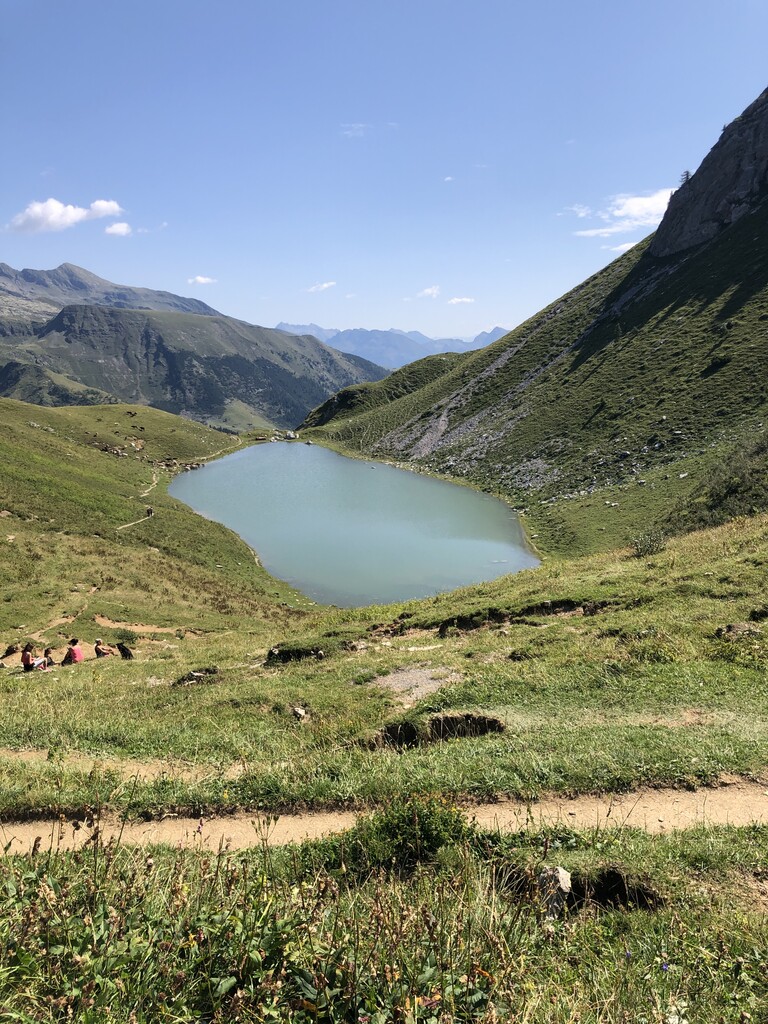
<point>392,347</point>
<point>321,333</point>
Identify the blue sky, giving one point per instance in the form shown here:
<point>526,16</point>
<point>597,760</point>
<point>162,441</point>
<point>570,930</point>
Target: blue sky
<point>434,165</point>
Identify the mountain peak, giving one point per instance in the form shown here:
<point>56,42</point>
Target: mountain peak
<point>731,181</point>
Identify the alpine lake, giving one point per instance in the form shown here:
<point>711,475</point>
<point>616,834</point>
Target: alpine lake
<point>349,532</point>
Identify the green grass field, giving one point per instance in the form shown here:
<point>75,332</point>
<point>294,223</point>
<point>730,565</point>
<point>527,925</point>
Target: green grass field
<point>600,673</point>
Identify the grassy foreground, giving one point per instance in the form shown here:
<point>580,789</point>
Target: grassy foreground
<point>432,921</point>
<point>597,674</point>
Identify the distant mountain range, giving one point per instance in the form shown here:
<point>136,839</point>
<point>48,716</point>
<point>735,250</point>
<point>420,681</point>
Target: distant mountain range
<point>70,337</point>
<point>391,348</point>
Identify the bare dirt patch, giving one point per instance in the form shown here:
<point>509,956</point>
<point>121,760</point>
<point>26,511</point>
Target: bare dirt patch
<point>128,768</point>
<point>411,685</point>
<point>734,802</point>
<point>138,627</point>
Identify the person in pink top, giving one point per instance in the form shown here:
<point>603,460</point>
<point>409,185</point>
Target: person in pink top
<point>74,653</point>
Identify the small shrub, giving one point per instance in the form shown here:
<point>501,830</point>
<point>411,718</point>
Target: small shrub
<point>408,832</point>
<point>649,543</point>
<point>127,637</point>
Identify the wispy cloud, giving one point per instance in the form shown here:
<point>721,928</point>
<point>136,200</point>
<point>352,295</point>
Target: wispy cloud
<point>580,210</point>
<point>201,279</point>
<point>624,247</point>
<point>362,129</point>
<point>118,228</point>
<point>53,215</point>
<point>322,287</point>
<point>429,293</point>
<point>449,178</point>
<point>626,213</point>
<point>354,130</point>
<point>459,301</point>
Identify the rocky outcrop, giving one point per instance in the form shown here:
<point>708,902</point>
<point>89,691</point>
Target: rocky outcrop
<point>731,181</point>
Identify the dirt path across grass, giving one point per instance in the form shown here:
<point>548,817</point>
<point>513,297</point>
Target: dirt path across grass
<point>138,627</point>
<point>151,486</point>
<point>734,801</point>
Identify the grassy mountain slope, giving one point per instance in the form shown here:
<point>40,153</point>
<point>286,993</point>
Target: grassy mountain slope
<point>646,363</point>
<point>626,649</point>
<point>31,383</point>
<point>602,674</point>
<point>184,362</point>
<point>69,478</point>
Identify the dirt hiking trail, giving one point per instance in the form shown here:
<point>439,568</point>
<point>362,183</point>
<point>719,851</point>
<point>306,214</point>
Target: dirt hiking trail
<point>734,801</point>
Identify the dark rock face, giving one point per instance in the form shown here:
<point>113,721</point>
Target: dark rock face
<point>732,181</point>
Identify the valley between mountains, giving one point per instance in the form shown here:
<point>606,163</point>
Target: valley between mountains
<point>603,716</point>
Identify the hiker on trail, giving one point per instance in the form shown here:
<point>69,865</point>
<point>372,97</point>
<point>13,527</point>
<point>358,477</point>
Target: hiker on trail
<point>28,659</point>
<point>74,652</point>
<point>102,650</point>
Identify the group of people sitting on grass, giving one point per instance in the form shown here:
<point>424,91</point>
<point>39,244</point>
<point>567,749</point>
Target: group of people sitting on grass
<point>74,654</point>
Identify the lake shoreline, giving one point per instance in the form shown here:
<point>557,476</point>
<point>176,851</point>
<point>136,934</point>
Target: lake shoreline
<point>370,541</point>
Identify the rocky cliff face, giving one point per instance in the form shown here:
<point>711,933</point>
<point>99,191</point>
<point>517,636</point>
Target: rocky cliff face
<point>732,181</point>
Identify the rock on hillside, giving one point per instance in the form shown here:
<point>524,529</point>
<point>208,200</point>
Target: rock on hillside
<point>732,181</point>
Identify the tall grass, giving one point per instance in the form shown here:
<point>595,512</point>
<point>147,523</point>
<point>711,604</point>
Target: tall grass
<point>112,933</point>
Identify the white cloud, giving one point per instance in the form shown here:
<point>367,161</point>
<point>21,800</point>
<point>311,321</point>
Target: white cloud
<point>200,279</point>
<point>580,210</point>
<point>355,130</point>
<point>104,208</point>
<point>449,178</point>
<point>429,293</point>
<point>624,247</point>
<point>118,228</point>
<point>627,213</point>
<point>53,215</point>
<point>457,301</point>
<point>322,287</point>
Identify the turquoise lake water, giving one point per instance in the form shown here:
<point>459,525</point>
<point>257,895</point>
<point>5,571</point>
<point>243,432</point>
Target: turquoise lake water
<point>349,532</point>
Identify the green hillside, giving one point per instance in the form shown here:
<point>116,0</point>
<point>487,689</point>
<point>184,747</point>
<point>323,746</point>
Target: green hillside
<point>68,337</point>
<point>70,481</point>
<point>179,362</point>
<point>244,701</point>
<point>649,363</point>
<point>520,751</point>
<point>626,393</point>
